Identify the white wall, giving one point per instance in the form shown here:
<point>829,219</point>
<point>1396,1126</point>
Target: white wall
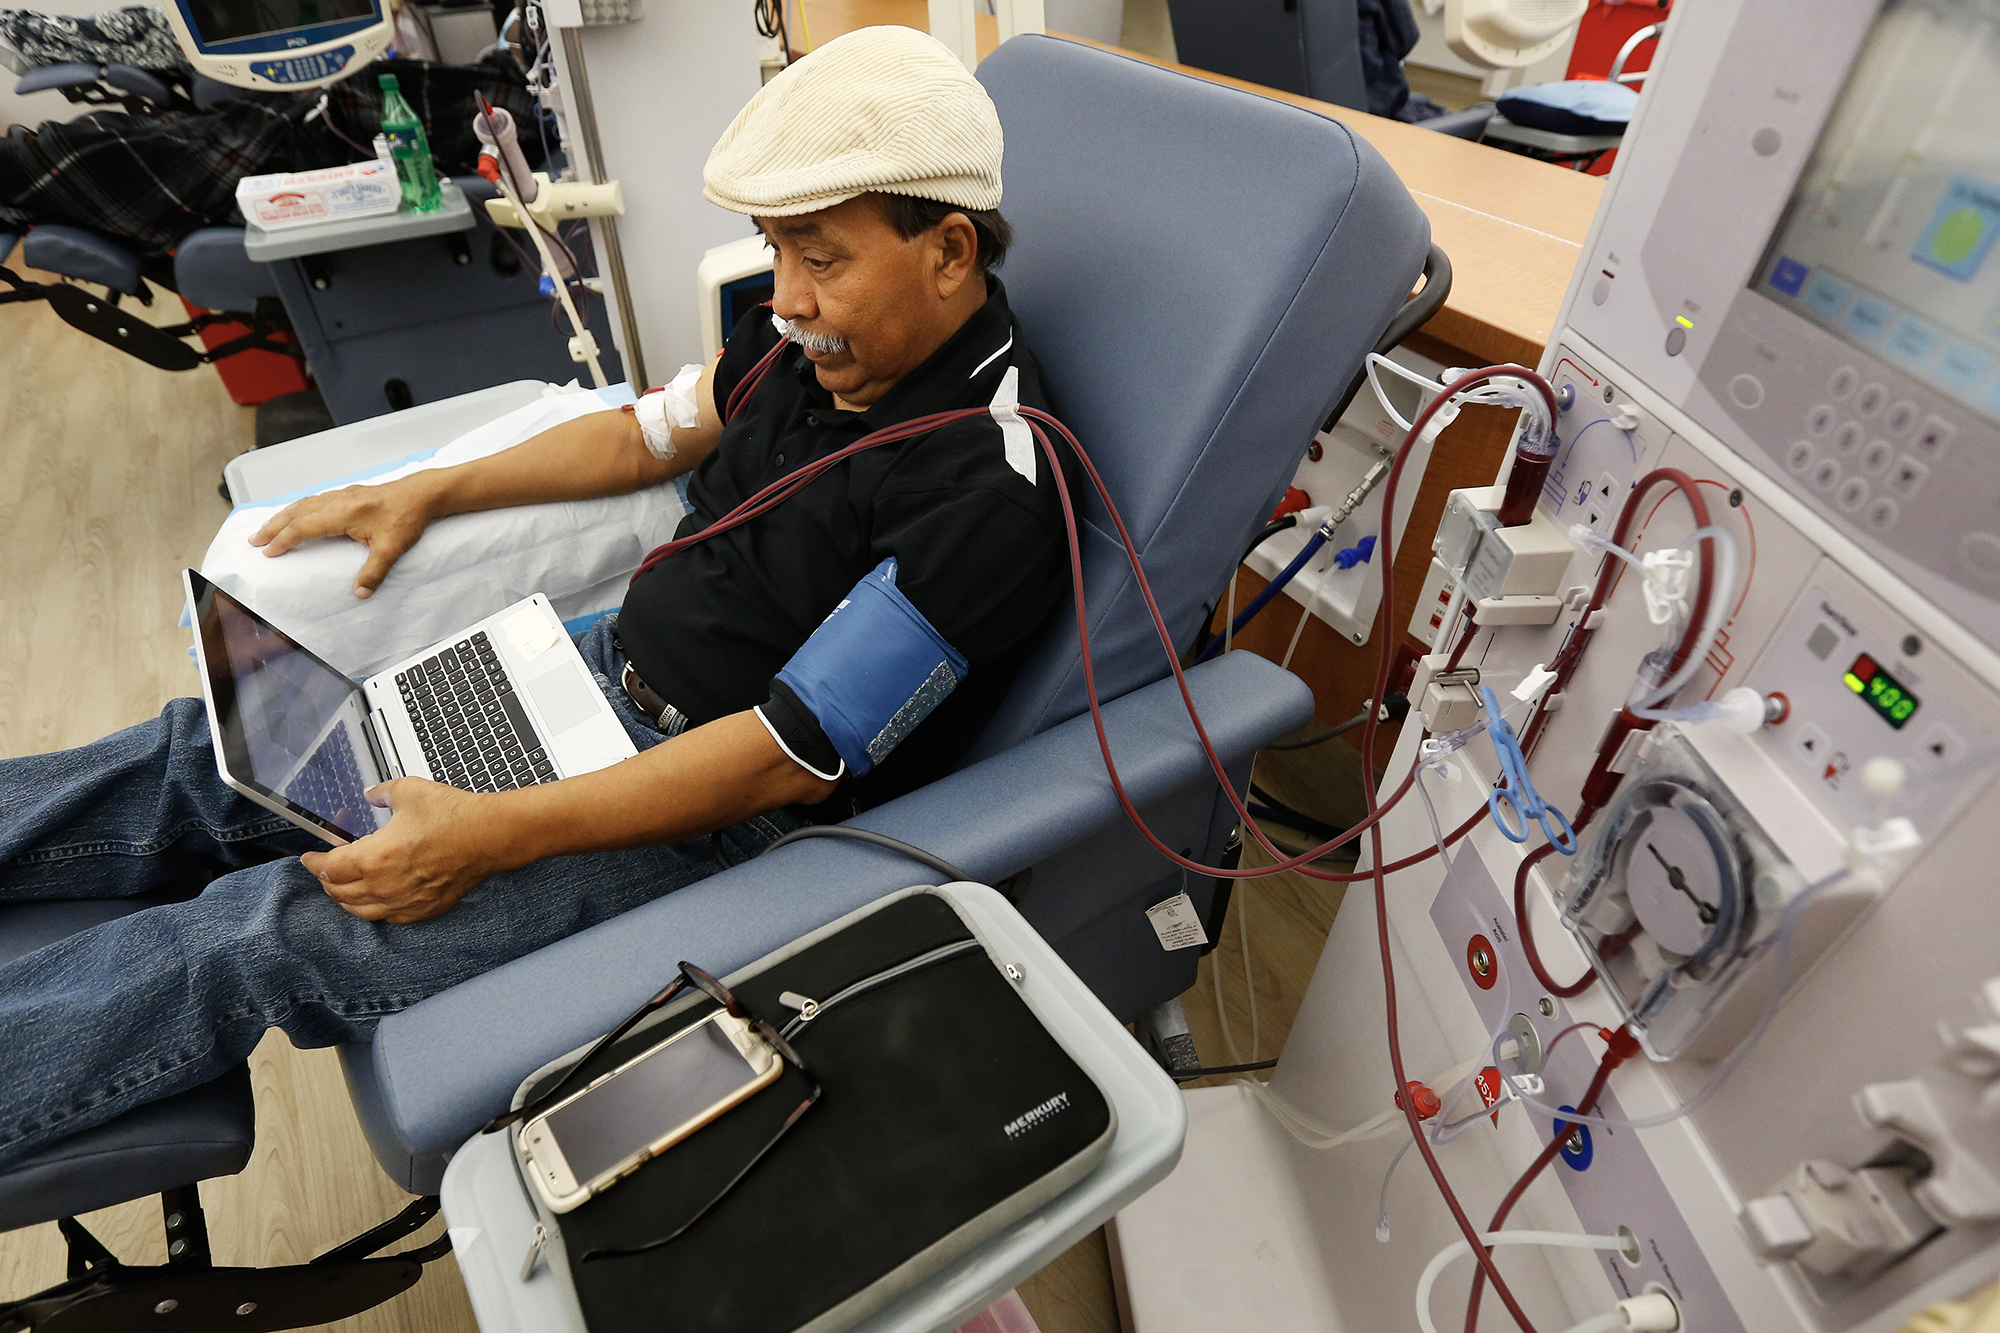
<point>664,89</point>
<point>1099,20</point>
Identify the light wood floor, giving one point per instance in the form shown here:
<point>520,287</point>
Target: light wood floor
<point>110,469</point>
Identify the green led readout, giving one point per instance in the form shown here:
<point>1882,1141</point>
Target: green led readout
<point>1881,691</point>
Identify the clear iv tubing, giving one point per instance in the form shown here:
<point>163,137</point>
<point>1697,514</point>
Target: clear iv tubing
<point>1540,424</point>
<point>1556,1239</point>
<point>1723,584</point>
<point>1608,1322</point>
<point>1781,949</point>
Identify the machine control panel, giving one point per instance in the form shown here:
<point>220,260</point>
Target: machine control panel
<point>1857,682</point>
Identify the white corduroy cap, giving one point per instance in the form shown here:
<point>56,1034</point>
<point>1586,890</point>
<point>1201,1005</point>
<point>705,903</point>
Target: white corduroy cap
<point>885,109</point>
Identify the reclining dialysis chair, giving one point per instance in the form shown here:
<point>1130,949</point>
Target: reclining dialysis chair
<point>1201,272</point>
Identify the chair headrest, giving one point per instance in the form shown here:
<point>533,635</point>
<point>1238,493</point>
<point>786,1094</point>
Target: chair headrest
<point>1200,270</point>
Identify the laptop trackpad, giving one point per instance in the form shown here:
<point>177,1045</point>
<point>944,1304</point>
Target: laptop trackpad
<point>563,698</point>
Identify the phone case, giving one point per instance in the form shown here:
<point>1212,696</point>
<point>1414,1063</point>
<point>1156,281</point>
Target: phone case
<point>541,1153</point>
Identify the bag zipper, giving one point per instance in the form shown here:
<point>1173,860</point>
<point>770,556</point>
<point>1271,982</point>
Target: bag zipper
<point>810,1009</point>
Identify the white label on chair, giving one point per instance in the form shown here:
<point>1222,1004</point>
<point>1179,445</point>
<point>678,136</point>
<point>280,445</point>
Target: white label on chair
<point>1176,923</point>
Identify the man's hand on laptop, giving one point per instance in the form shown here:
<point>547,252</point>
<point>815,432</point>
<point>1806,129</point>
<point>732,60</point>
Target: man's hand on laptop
<point>387,519</point>
<point>430,854</point>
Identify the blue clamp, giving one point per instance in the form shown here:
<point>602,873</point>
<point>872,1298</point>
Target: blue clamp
<point>1516,792</point>
<point>1357,554</point>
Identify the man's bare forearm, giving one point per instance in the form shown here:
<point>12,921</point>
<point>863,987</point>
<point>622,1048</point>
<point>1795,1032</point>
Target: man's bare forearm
<point>703,780</point>
<point>593,456</point>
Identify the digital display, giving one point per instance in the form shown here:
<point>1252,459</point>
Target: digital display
<point>289,724</point>
<point>1881,691</point>
<point>232,20</point>
<point>1888,242</point>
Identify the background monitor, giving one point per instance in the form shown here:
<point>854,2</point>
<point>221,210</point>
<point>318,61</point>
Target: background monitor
<point>280,44</point>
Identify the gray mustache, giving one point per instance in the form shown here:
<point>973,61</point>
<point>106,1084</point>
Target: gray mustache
<point>823,343</point>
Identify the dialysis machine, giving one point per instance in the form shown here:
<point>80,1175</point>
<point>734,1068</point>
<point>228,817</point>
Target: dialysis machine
<point>1790,295</point>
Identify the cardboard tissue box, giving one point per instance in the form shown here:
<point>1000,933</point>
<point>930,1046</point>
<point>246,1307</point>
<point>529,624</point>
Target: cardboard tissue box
<point>331,194</point>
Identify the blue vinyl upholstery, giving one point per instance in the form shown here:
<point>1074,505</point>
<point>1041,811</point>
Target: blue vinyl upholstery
<point>83,255</point>
<point>1201,271</point>
<point>438,1070</point>
<point>215,272</point>
<point>69,74</point>
<point>201,1133</point>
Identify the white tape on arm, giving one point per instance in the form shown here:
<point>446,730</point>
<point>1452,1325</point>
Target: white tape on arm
<point>664,411</point>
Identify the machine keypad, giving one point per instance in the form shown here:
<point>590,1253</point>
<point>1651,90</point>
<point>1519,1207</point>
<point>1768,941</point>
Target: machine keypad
<point>1852,495</point>
<point>1800,456</point>
<point>1935,438</point>
<point>1875,459</point>
<point>1821,419</point>
<point>1843,382</point>
<point>1901,417</point>
<point>1848,438</point>
<point>1908,478</point>
<point>1827,475</point>
<point>1870,400</point>
<point>1882,514</point>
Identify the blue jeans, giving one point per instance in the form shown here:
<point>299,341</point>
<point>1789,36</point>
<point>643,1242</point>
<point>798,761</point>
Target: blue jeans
<point>172,996</point>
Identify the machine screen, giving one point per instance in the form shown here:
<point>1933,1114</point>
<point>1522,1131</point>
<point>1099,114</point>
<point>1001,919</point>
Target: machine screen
<point>1888,241</point>
<point>231,20</point>
<point>1881,691</point>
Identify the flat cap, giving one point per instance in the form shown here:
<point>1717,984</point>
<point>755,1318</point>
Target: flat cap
<point>886,109</point>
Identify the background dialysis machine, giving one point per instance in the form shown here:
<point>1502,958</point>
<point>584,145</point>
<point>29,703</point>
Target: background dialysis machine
<point>280,45</point>
<point>1791,293</point>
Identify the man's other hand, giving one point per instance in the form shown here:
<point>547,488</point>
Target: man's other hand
<point>387,519</point>
<point>430,854</point>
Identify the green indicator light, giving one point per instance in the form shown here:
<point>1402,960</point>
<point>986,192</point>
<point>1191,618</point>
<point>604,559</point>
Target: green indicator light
<point>1684,321</point>
<point>1883,693</point>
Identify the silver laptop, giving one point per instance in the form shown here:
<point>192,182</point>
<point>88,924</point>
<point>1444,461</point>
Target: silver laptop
<point>505,703</point>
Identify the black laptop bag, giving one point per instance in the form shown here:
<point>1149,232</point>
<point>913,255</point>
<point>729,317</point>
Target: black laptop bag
<point>948,1112</point>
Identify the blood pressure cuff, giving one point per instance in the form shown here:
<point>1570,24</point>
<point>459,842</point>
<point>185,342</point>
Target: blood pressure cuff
<point>869,674</point>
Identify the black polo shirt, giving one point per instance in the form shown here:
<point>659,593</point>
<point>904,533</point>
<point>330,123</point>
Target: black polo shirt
<point>968,511</point>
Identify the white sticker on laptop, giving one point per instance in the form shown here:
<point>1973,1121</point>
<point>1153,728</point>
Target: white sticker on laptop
<point>530,633</point>
<point>1177,923</point>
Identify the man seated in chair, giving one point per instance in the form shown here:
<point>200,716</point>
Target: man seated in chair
<point>873,168</point>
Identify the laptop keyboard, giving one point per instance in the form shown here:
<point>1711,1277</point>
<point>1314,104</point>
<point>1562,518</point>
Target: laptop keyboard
<point>331,783</point>
<point>474,731</point>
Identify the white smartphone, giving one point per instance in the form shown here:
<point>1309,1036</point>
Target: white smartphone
<point>591,1139</point>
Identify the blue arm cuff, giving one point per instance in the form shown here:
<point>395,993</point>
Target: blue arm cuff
<point>873,670</point>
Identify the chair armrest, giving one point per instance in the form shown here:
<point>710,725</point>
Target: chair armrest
<point>135,80</point>
<point>44,77</point>
<point>215,272</point>
<point>441,1068</point>
<point>84,255</point>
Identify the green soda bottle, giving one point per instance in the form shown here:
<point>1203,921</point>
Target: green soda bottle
<point>410,150</point>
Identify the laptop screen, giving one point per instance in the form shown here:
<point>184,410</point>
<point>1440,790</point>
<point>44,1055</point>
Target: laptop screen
<point>289,725</point>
